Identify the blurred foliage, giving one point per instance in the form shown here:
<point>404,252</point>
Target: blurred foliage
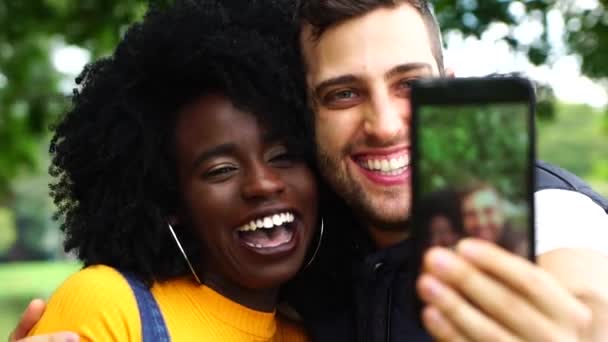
<point>472,143</point>
<point>576,141</point>
<point>31,95</point>
<point>23,281</point>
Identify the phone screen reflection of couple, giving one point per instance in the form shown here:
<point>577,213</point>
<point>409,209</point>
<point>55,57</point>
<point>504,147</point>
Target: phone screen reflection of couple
<point>478,210</point>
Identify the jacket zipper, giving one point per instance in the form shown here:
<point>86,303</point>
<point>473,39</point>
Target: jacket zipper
<point>389,300</point>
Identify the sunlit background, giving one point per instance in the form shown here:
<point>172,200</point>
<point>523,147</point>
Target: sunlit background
<point>44,44</point>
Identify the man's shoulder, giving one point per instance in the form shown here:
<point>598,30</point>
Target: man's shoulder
<point>549,176</point>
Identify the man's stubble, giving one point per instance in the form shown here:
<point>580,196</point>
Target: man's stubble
<point>379,212</point>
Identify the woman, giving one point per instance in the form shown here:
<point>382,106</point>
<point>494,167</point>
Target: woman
<point>181,167</point>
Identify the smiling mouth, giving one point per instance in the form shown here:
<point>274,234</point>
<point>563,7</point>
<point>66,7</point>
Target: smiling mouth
<point>268,232</point>
<point>386,166</point>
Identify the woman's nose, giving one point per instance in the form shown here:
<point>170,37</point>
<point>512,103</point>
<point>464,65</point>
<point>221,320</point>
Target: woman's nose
<point>262,181</point>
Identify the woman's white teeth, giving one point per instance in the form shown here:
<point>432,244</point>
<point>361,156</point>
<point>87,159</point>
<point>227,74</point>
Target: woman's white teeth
<point>387,165</point>
<point>267,222</point>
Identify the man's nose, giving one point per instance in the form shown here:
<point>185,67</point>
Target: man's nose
<point>387,119</point>
<point>262,181</point>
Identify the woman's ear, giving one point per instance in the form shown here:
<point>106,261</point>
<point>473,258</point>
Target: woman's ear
<point>173,220</point>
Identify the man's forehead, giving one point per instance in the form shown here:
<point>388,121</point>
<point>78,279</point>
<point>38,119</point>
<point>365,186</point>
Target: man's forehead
<point>369,45</point>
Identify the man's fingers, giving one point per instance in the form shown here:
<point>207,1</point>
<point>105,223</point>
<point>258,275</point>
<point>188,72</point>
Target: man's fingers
<point>462,316</point>
<point>499,302</point>
<point>439,327</point>
<point>30,317</point>
<point>528,280</point>
<point>55,337</point>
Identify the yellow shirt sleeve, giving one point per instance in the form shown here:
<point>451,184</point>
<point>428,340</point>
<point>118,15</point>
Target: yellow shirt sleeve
<point>96,303</point>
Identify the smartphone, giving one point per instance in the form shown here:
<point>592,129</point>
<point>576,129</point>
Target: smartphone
<point>473,151</point>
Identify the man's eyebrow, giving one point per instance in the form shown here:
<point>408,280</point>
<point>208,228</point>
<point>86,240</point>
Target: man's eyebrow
<point>213,152</point>
<point>405,68</point>
<point>334,81</point>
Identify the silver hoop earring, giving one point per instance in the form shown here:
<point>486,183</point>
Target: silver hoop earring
<point>181,249</point>
<point>314,254</point>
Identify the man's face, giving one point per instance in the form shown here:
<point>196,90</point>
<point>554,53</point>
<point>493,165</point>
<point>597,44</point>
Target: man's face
<point>483,215</point>
<point>358,76</point>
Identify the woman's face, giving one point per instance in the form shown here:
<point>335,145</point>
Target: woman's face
<point>251,203</point>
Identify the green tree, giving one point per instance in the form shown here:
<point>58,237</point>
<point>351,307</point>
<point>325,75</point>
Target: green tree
<point>30,94</point>
<point>31,98</point>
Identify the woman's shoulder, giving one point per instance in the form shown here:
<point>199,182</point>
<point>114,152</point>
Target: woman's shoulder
<point>95,302</point>
<point>95,274</point>
<point>96,283</point>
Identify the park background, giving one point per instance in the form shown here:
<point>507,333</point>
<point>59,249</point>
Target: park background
<point>561,44</point>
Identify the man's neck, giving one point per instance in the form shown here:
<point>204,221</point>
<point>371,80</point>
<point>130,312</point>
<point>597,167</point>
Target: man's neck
<point>384,238</point>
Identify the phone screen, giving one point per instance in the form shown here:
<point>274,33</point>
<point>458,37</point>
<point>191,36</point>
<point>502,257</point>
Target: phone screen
<point>473,174</point>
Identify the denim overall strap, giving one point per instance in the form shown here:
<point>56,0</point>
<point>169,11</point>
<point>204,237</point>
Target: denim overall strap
<point>153,327</point>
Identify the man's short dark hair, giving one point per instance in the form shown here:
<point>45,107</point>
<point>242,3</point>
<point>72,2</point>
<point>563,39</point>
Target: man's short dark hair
<point>324,14</point>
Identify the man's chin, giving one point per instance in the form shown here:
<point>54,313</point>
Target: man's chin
<point>387,218</point>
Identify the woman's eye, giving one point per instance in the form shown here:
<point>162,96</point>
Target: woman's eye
<point>281,157</point>
<point>220,171</point>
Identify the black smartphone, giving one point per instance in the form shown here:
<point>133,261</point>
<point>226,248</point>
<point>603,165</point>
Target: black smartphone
<point>473,151</point>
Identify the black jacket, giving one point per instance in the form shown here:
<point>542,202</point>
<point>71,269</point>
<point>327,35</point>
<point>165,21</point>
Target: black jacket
<point>353,293</point>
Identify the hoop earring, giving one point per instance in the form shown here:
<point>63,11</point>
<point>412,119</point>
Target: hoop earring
<point>181,249</point>
<point>314,254</point>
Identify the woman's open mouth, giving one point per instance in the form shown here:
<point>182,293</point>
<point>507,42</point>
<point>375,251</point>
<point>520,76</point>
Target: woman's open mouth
<point>269,234</point>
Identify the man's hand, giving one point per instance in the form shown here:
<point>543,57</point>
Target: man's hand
<point>483,293</point>
<point>30,317</point>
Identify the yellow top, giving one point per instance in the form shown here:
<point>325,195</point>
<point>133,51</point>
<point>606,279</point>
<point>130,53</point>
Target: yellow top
<point>98,304</point>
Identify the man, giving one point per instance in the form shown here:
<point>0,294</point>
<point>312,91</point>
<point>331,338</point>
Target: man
<point>360,57</point>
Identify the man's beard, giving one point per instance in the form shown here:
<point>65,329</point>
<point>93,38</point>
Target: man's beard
<point>362,203</point>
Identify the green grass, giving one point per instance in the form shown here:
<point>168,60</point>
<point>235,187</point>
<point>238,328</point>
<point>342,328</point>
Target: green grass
<point>21,282</point>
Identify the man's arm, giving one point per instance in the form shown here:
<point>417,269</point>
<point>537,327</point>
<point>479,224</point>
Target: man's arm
<point>30,317</point>
<point>584,273</point>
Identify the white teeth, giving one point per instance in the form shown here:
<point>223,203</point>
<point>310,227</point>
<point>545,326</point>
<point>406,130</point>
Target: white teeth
<point>267,222</point>
<point>388,166</point>
<point>394,163</point>
<point>385,166</point>
<point>276,219</point>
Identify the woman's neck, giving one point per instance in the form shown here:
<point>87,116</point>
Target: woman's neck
<point>261,300</point>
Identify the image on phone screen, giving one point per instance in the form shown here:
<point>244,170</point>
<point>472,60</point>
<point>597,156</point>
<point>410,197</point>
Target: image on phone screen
<point>473,174</point>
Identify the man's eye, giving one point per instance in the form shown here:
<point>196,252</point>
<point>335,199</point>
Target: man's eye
<point>404,86</point>
<point>406,83</point>
<point>341,98</point>
<point>342,95</point>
